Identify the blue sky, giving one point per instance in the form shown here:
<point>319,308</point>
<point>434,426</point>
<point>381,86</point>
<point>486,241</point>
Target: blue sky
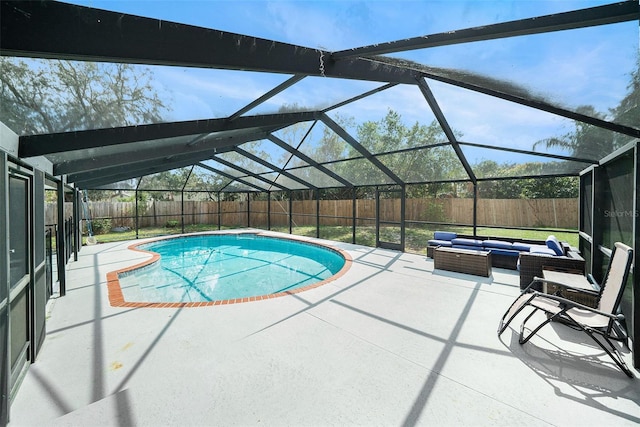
<point>587,66</point>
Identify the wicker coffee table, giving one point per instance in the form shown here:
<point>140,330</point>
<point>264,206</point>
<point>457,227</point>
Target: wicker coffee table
<point>466,261</point>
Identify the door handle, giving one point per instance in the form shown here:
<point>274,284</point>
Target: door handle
<point>12,251</point>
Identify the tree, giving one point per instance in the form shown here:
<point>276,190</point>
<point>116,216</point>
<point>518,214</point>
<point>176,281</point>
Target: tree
<point>628,111</point>
<point>540,187</point>
<point>428,162</point>
<point>48,96</point>
<point>585,141</point>
<point>591,142</point>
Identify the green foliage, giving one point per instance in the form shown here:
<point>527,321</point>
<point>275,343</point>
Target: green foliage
<point>172,223</point>
<point>391,135</point>
<point>48,96</point>
<point>536,187</point>
<point>436,189</point>
<point>550,188</point>
<point>165,182</point>
<point>101,226</point>
<point>433,212</point>
<point>628,111</point>
<point>111,195</point>
<point>591,142</point>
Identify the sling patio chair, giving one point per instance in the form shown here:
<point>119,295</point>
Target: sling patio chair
<point>595,322</point>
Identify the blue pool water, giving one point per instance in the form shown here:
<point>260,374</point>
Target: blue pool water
<point>227,266</point>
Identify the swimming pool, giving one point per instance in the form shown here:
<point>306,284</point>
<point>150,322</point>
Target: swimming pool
<point>211,269</point>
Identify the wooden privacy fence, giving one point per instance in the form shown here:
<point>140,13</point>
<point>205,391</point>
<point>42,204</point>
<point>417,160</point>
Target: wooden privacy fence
<point>554,213</point>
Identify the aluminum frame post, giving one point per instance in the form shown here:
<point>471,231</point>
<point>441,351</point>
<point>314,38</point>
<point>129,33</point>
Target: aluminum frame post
<point>290,212</point>
<point>60,243</point>
<point>317,194</point>
<point>354,213</point>
<point>269,210</point>
<point>76,216</point>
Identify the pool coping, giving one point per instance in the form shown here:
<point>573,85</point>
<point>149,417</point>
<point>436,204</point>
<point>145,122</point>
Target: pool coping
<point>116,297</point>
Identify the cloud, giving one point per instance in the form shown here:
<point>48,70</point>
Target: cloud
<point>487,120</point>
<point>189,107</point>
<point>587,66</point>
<point>222,91</point>
<point>305,24</point>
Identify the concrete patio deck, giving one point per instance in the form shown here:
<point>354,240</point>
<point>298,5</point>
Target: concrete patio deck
<point>392,342</point>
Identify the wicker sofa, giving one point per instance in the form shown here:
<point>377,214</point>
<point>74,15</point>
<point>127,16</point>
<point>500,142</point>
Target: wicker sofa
<point>532,265</point>
<point>528,256</point>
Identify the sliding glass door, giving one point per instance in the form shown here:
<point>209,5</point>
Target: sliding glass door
<point>19,276</point>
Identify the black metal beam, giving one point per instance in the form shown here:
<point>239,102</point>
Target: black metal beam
<point>249,173</point>
<point>280,143</point>
<point>359,148</point>
<point>205,145</point>
<point>529,152</point>
<point>539,105</point>
<point>273,92</point>
<point>361,96</point>
<point>39,145</point>
<point>508,92</point>
<point>437,112</point>
<point>274,168</point>
<point>135,170</point>
<point>63,31</point>
<point>231,177</point>
<point>600,15</point>
<point>120,172</point>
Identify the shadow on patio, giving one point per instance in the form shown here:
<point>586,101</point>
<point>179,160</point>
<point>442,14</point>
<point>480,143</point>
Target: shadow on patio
<point>390,343</point>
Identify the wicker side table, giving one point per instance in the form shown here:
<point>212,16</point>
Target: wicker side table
<point>466,261</point>
<point>577,281</point>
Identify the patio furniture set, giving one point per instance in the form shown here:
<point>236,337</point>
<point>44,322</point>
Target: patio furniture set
<point>562,302</point>
<point>552,280</point>
<point>472,255</point>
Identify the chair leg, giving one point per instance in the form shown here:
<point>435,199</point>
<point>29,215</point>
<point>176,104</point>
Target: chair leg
<point>518,305</point>
<point>524,339</point>
<point>614,333</point>
<point>613,353</point>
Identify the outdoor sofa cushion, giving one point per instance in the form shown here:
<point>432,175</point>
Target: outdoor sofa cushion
<point>522,247</point>
<point>497,244</point>
<point>542,250</point>
<point>471,247</point>
<point>436,242</point>
<point>444,235</point>
<point>466,242</point>
<point>553,244</point>
<point>506,252</point>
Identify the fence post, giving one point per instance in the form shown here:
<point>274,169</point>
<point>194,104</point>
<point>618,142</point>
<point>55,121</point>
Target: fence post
<point>269,210</point>
<point>248,211</point>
